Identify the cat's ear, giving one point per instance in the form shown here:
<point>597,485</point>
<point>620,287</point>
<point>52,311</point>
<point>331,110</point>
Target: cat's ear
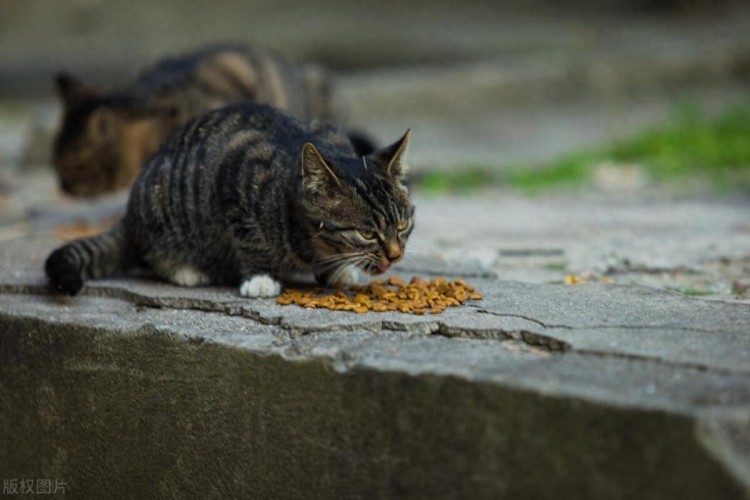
<point>70,88</point>
<point>393,158</point>
<point>317,174</point>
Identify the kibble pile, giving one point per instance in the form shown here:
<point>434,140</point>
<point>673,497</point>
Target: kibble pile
<point>419,296</point>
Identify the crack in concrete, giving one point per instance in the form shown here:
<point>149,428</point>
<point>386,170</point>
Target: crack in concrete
<point>296,331</point>
<point>426,327</point>
<point>520,316</point>
<point>532,339</point>
<point>549,326</point>
<point>537,340</point>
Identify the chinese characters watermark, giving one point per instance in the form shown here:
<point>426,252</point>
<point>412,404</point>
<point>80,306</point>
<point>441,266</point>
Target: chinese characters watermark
<point>34,487</point>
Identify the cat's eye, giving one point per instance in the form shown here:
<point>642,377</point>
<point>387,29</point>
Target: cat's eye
<point>402,225</point>
<point>368,235</point>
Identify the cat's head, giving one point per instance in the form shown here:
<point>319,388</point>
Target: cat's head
<point>358,208</point>
<point>100,144</point>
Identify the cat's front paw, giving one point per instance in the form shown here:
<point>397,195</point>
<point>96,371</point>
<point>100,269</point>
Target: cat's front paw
<point>261,285</point>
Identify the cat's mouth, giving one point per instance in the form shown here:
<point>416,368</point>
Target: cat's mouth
<point>378,269</point>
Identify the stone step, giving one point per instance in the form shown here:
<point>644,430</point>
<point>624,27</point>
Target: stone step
<point>539,390</point>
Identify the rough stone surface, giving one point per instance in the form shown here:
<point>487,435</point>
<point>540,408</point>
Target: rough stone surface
<point>622,387</point>
<point>541,389</point>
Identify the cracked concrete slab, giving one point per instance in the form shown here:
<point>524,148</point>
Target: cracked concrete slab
<point>522,371</point>
<point>141,389</point>
<point>620,320</point>
<point>595,388</point>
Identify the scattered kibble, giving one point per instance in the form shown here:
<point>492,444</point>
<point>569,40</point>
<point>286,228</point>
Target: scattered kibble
<point>572,279</point>
<point>419,296</point>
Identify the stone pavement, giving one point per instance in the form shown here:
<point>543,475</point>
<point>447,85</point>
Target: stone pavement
<point>542,389</point>
<point>624,386</point>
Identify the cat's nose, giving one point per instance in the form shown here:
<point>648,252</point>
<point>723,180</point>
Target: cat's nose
<point>394,251</point>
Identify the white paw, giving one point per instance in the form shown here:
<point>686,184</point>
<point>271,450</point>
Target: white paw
<point>187,276</point>
<point>261,285</point>
<point>345,277</point>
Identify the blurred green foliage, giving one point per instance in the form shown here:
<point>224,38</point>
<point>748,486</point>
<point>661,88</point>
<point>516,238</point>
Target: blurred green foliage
<point>693,292</point>
<point>693,145</point>
<point>462,180</point>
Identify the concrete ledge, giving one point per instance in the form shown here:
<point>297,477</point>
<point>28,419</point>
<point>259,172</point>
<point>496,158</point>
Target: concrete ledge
<point>130,400</point>
<point>139,389</point>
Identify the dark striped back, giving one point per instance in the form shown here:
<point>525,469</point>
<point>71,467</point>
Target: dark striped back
<point>106,138</point>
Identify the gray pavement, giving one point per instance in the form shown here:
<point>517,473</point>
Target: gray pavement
<point>627,385</point>
<point>597,361</point>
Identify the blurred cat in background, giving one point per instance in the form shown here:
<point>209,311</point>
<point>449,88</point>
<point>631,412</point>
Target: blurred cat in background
<point>106,137</point>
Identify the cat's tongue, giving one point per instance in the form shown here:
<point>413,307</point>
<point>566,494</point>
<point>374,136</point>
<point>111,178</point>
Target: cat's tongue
<point>382,268</point>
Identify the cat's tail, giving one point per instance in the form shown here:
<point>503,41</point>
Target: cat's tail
<point>95,257</point>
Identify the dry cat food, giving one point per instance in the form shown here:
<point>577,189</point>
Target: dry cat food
<point>416,297</point>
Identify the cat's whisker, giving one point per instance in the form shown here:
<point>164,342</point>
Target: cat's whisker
<point>337,260</point>
<point>334,265</point>
<point>340,265</point>
<point>336,257</point>
<point>359,263</point>
<point>338,273</point>
<point>339,256</point>
<point>343,254</point>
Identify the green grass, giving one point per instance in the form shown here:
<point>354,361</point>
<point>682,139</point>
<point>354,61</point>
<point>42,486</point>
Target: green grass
<point>463,180</point>
<point>556,266</point>
<point>570,171</point>
<point>693,292</point>
<point>692,145</point>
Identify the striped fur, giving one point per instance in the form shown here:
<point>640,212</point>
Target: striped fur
<point>88,258</point>
<point>248,195</point>
<point>105,139</point>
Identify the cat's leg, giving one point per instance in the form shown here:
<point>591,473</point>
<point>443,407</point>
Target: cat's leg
<point>178,273</point>
<point>338,277</point>
<point>188,276</point>
<point>260,285</point>
<point>254,282</point>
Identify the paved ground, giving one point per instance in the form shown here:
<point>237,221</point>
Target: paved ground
<point>633,384</point>
<point>696,245</point>
<point>618,349</point>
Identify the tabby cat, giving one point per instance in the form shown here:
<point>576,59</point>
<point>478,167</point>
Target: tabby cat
<point>247,195</point>
<point>106,138</point>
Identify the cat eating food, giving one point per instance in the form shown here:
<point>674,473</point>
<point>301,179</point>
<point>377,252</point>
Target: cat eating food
<point>247,195</point>
<point>106,138</point>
